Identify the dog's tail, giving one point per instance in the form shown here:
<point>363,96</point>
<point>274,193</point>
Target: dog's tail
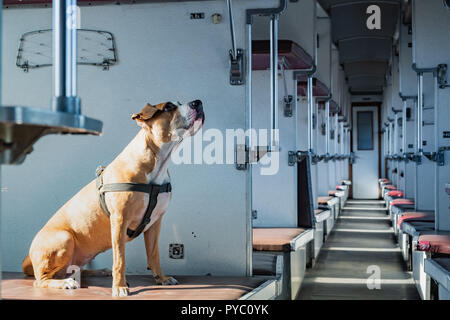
<point>27,267</point>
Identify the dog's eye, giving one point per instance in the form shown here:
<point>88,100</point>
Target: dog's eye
<point>169,106</point>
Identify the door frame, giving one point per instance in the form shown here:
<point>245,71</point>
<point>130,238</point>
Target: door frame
<point>377,105</point>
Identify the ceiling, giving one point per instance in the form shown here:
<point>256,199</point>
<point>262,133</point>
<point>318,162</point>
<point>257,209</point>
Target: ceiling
<point>364,54</point>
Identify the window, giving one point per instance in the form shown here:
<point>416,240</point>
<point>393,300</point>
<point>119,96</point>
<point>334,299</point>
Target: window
<point>365,130</point>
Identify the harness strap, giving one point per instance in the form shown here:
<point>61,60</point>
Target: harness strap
<point>152,189</point>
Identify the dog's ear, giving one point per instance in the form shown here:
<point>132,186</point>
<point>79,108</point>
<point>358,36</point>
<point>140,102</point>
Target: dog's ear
<point>146,113</point>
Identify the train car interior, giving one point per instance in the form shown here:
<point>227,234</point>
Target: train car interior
<point>308,145</point>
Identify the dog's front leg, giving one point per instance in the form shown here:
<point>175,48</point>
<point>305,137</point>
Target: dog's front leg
<point>151,237</point>
<point>118,234</point>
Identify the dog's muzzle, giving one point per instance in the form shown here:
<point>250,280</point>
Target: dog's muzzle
<point>197,106</point>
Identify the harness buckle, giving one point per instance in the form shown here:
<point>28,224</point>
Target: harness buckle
<point>99,170</point>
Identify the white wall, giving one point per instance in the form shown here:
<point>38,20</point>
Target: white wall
<point>163,55</point>
<point>274,196</point>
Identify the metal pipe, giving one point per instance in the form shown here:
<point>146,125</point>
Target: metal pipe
<point>71,45</point>
<point>419,113</point>
<point>404,127</point>
<point>336,128</point>
<point>389,139</point>
<point>310,114</point>
<point>249,85</point>
<point>249,229</point>
<point>59,48</point>
<point>65,57</point>
<point>327,127</point>
<point>233,36</point>
<point>395,124</point>
<point>274,82</point>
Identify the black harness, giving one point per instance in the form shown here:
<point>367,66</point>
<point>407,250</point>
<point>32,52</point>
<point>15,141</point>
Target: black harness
<point>152,189</point>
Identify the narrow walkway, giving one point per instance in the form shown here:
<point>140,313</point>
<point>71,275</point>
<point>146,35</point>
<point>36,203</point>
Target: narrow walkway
<point>361,243</point>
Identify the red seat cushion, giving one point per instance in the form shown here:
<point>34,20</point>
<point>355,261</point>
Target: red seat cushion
<point>383,180</point>
<point>396,193</point>
<point>401,201</point>
<point>390,187</point>
<point>323,200</point>
<point>340,187</point>
<point>274,239</point>
<point>434,243</point>
<point>416,216</point>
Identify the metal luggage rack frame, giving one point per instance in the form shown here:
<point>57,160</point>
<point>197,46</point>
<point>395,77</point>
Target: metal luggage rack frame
<point>105,63</point>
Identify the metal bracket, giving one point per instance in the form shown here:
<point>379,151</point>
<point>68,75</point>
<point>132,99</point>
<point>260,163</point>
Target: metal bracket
<point>352,158</point>
<point>294,157</point>
<point>243,155</point>
<point>430,155</point>
<point>440,156</point>
<point>417,158</point>
<point>237,68</point>
<point>442,76</point>
<point>304,72</point>
<point>288,101</point>
<point>317,158</point>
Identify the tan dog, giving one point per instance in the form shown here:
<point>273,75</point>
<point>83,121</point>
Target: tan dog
<point>80,229</point>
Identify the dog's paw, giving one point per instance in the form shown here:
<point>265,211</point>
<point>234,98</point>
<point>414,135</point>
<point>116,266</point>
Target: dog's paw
<point>170,281</point>
<point>70,283</point>
<point>120,291</point>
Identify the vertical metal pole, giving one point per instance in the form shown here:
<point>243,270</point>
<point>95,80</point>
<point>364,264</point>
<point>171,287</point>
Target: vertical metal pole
<point>274,82</point>
<point>327,127</point>
<point>249,85</point>
<point>336,128</point>
<point>404,127</point>
<point>233,41</point>
<point>1,185</point>
<point>65,57</point>
<point>71,60</point>
<point>391,134</point>
<point>249,252</point>
<point>438,178</point>
<point>395,133</point>
<point>419,149</point>
<point>310,113</point>
<point>59,48</point>
<point>295,97</point>
<point>403,163</point>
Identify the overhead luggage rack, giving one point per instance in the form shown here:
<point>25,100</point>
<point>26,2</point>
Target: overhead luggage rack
<point>334,107</point>
<point>319,88</point>
<point>294,56</point>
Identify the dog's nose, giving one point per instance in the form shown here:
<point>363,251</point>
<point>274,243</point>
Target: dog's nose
<point>196,104</point>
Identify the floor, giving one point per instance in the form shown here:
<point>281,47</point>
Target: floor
<point>17,286</point>
<point>360,247</point>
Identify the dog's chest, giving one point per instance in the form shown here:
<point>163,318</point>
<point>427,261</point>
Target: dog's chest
<point>162,204</point>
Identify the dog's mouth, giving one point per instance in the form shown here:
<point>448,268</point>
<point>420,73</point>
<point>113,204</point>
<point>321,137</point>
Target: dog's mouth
<point>196,118</point>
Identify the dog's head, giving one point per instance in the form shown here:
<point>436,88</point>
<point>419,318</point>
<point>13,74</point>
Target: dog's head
<point>171,121</point>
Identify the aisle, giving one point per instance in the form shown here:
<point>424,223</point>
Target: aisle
<point>361,243</point>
